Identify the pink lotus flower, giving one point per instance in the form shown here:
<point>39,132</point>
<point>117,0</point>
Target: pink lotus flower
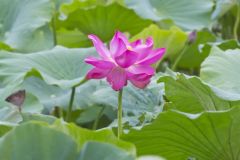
<point>124,61</point>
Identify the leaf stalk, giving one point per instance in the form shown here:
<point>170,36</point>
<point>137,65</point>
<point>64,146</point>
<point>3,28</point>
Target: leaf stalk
<point>70,106</point>
<point>120,113</point>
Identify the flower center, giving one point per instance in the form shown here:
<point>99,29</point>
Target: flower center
<point>129,48</point>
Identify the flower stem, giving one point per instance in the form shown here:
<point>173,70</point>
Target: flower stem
<point>235,29</point>
<point>54,30</point>
<point>120,113</point>
<point>175,64</point>
<point>69,112</point>
<point>81,82</point>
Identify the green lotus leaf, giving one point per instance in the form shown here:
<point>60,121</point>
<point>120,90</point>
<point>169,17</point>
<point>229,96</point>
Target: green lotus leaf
<point>99,20</point>
<point>103,151</point>
<point>188,14</point>
<point>192,95</point>
<point>34,141</point>
<point>176,135</point>
<point>24,24</point>
<point>59,66</point>
<point>220,70</point>
<point>81,136</point>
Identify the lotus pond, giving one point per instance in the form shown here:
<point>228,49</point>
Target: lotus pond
<point>119,80</point>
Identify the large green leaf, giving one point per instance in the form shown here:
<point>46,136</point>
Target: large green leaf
<point>177,136</point>
<point>190,94</point>
<point>40,140</point>
<point>38,117</point>
<point>24,24</point>
<point>96,151</point>
<point>81,136</point>
<point>33,141</point>
<point>100,20</point>
<point>9,113</point>
<point>72,38</point>
<point>188,14</point>
<point>58,66</point>
<point>9,117</point>
<point>220,70</point>
<point>173,40</point>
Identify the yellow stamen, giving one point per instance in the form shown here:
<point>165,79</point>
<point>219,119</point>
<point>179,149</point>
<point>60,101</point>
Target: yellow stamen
<point>129,48</point>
